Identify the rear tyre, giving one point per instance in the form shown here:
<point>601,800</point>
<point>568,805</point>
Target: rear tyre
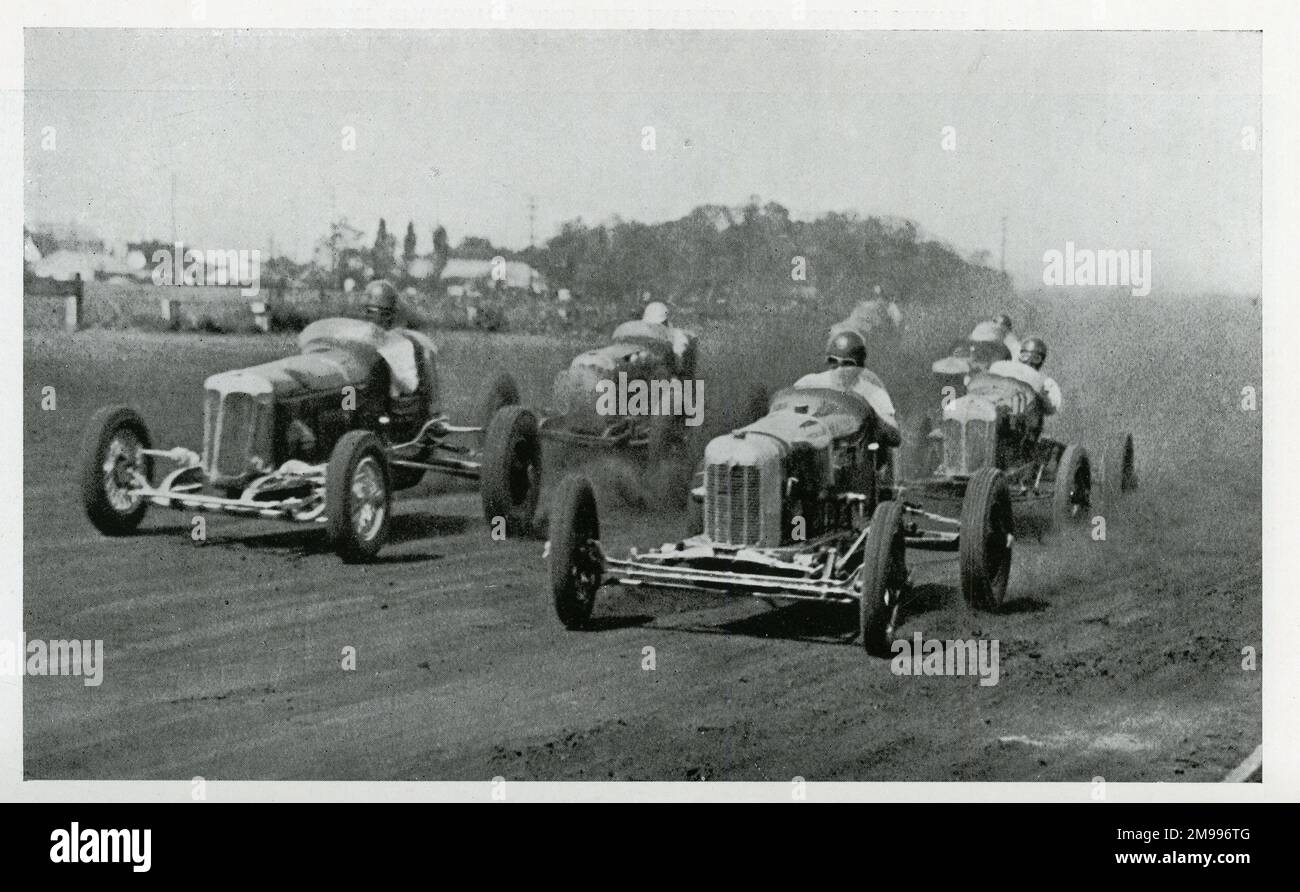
<point>576,568</point>
<point>884,579</point>
<point>1072,492</point>
<point>499,392</point>
<point>984,544</point>
<point>512,470</point>
<point>1117,474</point>
<point>920,455</point>
<point>667,472</point>
<point>358,497</point>
<point>110,460</point>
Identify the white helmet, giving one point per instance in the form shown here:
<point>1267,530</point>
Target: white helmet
<point>657,312</point>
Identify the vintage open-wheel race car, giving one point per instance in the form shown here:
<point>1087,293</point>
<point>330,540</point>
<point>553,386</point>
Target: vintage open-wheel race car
<point>322,437</point>
<point>638,352</point>
<point>794,507</point>
<point>994,429</point>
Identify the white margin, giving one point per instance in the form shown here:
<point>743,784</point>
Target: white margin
<point>1281,489</point>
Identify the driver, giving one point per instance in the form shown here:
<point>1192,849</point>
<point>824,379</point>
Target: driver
<point>1028,368</point>
<point>397,351</point>
<point>656,314</point>
<point>846,359</point>
<point>381,303</point>
<point>998,330</point>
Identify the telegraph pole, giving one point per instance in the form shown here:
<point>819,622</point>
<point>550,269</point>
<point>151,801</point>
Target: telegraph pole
<point>532,222</point>
<point>1004,244</point>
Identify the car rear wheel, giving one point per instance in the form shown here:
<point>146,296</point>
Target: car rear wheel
<point>1072,492</point>
<point>921,455</point>
<point>576,567</point>
<point>358,497</point>
<point>498,393</point>
<point>667,473</point>
<point>884,579</point>
<point>512,470</point>
<point>112,465</point>
<point>984,544</point>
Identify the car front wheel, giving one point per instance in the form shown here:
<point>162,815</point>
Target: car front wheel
<point>112,466</point>
<point>358,497</point>
<point>576,567</point>
<point>884,579</point>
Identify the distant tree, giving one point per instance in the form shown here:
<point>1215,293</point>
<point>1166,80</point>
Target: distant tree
<point>383,257</point>
<point>339,251</point>
<point>408,245</point>
<point>441,250</point>
<point>474,247</point>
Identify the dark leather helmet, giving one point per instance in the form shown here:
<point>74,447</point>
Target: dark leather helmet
<point>1033,351</point>
<point>381,302</point>
<point>847,348</point>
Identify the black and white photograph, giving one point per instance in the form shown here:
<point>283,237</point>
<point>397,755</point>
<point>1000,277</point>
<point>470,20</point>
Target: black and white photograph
<point>508,404</point>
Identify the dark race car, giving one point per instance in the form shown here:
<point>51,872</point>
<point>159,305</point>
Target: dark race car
<point>639,353</point>
<point>322,437</point>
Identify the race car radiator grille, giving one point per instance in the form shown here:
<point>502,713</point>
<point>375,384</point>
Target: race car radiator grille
<point>969,446</point>
<point>235,434</point>
<point>733,504</point>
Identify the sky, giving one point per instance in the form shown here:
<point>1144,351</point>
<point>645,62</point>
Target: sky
<point>1109,140</point>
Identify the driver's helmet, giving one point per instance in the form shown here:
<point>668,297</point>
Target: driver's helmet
<point>1033,352</point>
<point>655,312</point>
<point>1003,321</point>
<point>381,302</point>
<point>847,349</point>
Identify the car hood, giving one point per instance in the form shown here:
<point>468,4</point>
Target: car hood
<point>608,358</point>
<point>321,370</point>
<point>785,429</point>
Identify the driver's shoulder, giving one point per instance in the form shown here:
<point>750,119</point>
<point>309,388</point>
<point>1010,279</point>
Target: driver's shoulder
<point>414,337</point>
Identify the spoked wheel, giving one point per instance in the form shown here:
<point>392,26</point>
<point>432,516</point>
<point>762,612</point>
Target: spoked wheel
<point>512,470</point>
<point>884,579</point>
<point>112,467</point>
<point>984,544</point>
<point>1117,474</point>
<point>358,497</point>
<point>576,566</point>
<point>1072,495</point>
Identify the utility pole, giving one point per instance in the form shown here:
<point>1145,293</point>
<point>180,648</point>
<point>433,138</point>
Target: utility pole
<point>173,207</point>
<point>1004,244</point>
<point>532,222</point>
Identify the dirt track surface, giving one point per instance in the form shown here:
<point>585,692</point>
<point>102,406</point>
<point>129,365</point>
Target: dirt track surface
<point>1119,659</point>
